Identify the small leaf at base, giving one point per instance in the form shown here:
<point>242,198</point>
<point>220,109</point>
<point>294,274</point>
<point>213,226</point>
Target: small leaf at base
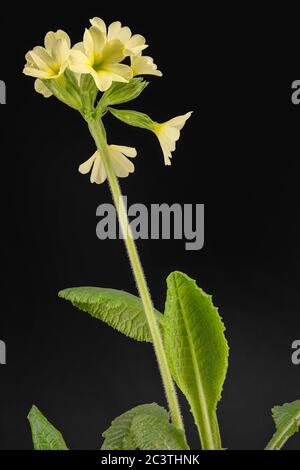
<point>145,427</point>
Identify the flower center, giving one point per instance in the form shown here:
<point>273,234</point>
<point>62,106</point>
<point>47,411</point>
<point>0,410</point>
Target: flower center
<point>97,66</point>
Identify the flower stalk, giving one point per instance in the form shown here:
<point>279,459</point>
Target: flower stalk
<point>97,130</point>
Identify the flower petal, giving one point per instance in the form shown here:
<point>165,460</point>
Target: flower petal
<point>33,72</point>
<point>79,62</point>
<point>136,44</point>
<point>51,37</point>
<point>121,165</point>
<point>42,59</point>
<point>98,39</point>
<point>79,47</point>
<point>144,65</point>
<point>29,59</point>
<point>119,72</point>
<point>99,23</point>
<point>49,40</point>
<point>114,30</point>
<point>179,121</point>
<point>128,151</point>
<point>124,34</point>
<point>170,133</point>
<point>88,44</point>
<point>113,52</point>
<point>60,52</point>
<point>102,79</point>
<point>85,167</point>
<point>166,151</point>
<point>168,142</point>
<point>41,88</point>
<point>98,174</point>
<point>167,137</point>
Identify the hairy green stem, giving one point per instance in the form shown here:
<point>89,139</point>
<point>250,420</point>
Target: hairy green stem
<point>98,132</point>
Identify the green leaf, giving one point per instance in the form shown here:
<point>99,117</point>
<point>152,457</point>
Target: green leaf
<point>119,309</point>
<point>144,427</point>
<point>150,432</point>
<point>133,118</point>
<point>287,422</point>
<point>197,352</point>
<point>121,93</point>
<point>44,435</point>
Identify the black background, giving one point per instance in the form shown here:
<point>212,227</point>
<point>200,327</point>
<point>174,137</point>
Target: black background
<point>238,155</point>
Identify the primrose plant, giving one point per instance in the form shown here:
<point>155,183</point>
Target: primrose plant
<point>92,77</point>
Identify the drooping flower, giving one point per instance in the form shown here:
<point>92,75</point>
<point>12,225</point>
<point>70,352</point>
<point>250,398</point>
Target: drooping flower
<point>144,65</point>
<point>121,165</point>
<point>133,43</point>
<point>49,62</point>
<point>168,133</point>
<point>100,58</point>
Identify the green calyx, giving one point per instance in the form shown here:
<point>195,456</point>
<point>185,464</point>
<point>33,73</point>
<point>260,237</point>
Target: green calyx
<point>120,93</point>
<point>66,89</point>
<point>133,118</point>
<point>81,93</point>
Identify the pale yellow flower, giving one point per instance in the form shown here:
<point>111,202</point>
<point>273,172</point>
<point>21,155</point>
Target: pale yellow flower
<point>144,65</point>
<point>133,43</point>
<point>121,165</point>
<point>49,62</point>
<point>100,58</point>
<point>168,133</point>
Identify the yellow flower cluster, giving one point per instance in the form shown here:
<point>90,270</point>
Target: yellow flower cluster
<point>107,54</point>
<point>100,54</point>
